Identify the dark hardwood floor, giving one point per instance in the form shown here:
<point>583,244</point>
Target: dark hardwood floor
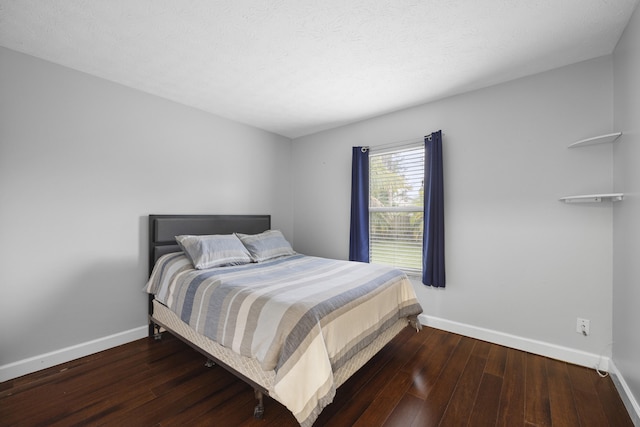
<point>420,379</point>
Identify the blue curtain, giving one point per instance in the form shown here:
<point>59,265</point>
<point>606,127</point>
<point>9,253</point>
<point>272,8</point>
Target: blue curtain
<point>433,236</point>
<point>359,237</point>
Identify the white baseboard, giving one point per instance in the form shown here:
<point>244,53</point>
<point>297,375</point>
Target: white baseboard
<point>541,348</point>
<point>630,402</point>
<point>47,360</point>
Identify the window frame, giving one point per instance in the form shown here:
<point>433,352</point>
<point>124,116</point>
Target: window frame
<point>373,152</point>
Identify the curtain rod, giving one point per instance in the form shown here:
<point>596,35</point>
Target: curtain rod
<point>398,144</point>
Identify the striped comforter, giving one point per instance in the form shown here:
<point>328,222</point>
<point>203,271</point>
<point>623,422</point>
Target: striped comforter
<point>301,316</point>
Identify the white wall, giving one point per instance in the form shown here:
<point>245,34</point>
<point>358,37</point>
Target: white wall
<point>83,161</point>
<point>626,219</point>
<point>519,262</point>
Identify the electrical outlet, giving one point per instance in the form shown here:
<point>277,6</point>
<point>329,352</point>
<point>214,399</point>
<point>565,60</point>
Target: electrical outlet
<point>582,326</point>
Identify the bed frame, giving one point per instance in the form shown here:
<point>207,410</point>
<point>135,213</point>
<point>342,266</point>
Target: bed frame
<point>162,232</point>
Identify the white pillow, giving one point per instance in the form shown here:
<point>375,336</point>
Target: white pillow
<point>265,246</point>
<point>214,250</point>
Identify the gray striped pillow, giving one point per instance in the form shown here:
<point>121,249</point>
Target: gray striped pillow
<point>265,246</point>
<point>214,250</point>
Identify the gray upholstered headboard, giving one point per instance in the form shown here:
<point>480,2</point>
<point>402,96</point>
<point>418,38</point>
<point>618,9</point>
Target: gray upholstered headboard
<point>164,228</point>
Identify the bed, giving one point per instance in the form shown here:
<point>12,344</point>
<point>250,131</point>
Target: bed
<point>294,327</point>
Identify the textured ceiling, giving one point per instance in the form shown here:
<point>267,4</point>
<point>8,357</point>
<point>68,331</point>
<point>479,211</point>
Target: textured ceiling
<point>295,67</point>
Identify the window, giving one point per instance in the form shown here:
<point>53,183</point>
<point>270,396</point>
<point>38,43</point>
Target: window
<point>396,199</point>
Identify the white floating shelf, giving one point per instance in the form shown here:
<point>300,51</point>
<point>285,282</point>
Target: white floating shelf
<point>593,198</point>
<point>602,139</point>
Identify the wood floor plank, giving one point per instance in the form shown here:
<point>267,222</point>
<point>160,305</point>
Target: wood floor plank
<point>238,409</point>
<point>511,412</point>
<point>275,415</point>
<point>212,393</point>
<point>113,398</point>
<point>365,396</point>
<point>612,403</point>
<point>438,399</point>
<point>405,349</point>
<point>588,405</point>
<point>186,392</point>
<point>461,403</point>
<point>460,381</point>
<point>405,411</point>
<point>563,408</point>
<point>537,408</point>
<point>485,408</point>
<point>436,353</point>
<point>59,395</point>
<point>385,401</point>
<point>496,361</point>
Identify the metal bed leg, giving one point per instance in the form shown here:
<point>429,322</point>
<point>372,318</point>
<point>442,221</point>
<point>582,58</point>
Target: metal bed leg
<point>415,323</point>
<point>258,411</point>
<point>158,335</point>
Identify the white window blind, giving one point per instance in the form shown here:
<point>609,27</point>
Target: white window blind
<point>396,198</point>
